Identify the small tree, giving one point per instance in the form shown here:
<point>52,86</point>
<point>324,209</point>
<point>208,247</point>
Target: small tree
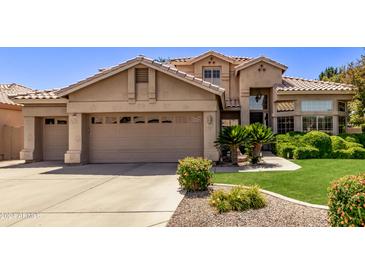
<point>232,137</point>
<point>258,135</point>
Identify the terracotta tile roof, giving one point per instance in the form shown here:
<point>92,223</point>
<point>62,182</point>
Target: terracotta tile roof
<point>238,59</point>
<point>300,84</point>
<point>147,61</point>
<point>7,90</point>
<point>39,94</point>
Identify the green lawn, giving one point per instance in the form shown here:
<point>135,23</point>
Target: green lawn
<point>307,184</point>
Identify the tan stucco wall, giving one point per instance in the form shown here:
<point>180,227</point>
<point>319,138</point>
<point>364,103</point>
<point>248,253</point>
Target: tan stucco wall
<point>298,113</point>
<point>113,88</point>
<point>120,94</point>
<point>228,80</point>
<point>251,77</point>
<point>11,133</point>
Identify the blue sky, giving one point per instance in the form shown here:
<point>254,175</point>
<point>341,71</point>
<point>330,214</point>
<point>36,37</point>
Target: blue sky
<point>43,68</point>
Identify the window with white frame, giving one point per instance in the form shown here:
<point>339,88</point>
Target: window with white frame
<point>321,123</point>
<point>212,75</point>
<point>316,105</point>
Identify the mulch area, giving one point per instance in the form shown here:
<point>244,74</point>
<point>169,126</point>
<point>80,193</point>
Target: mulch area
<point>194,211</point>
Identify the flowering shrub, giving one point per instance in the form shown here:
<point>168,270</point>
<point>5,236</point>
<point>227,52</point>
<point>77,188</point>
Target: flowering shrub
<point>195,173</point>
<point>347,201</point>
<point>219,199</point>
<point>257,200</point>
<point>238,198</point>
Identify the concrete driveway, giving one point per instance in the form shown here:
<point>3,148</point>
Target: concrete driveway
<point>52,194</point>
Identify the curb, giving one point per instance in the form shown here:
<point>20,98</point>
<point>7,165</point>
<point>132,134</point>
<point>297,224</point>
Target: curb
<point>276,195</point>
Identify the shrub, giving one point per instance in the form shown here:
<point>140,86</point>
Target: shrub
<point>285,150</point>
<point>338,143</point>
<point>195,173</point>
<point>257,200</point>
<point>219,199</point>
<point>350,139</point>
<point>238,198</point>
<point>357,152</point>
<point>346,201</point>
<point>306,152</point>
<point>319,140</point>
<point>363,128</point>
<point>341,154</point>
<point>354,137</point>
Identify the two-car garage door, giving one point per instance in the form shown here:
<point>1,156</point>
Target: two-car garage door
<point>145,137</point>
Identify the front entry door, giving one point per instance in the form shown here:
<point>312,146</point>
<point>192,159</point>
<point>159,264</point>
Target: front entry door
<point>256,117</point>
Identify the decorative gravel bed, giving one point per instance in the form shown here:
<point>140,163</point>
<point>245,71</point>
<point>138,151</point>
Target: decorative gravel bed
<point>194,211</point>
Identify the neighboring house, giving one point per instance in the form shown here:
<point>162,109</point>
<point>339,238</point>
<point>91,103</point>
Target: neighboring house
<point>146,111</point>
<point>11,122</point>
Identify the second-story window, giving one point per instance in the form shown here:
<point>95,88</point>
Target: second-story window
<point>212,75</point>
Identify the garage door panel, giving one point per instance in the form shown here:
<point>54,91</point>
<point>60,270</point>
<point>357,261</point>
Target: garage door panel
<point>55,139</point>
<point>147,142</point>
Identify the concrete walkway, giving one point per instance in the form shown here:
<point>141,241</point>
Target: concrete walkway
<point>270,163</point>
<point>52,194</point>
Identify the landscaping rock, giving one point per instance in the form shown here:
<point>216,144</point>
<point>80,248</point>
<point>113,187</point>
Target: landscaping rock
<point>194,211</point>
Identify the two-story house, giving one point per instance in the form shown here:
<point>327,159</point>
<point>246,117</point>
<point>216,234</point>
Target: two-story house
<point>146,111</point>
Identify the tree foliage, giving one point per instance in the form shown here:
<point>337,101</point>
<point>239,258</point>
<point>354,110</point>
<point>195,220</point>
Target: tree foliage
<point>353,73</point>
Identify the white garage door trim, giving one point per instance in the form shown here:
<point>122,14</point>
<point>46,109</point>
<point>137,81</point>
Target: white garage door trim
<point>145,137</point>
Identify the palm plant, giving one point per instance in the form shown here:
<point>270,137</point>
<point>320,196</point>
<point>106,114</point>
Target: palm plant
<point>232,137</point>
<point>258,135</point>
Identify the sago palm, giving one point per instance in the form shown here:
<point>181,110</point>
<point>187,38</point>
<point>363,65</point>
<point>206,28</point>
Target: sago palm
<point>259,135</point>
<point>232,137</point>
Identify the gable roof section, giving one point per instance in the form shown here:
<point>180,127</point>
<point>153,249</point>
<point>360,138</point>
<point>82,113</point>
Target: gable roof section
<point>294,84</point>
<point>169,70</point>
<point>192,60</point>
<point>257,60</point>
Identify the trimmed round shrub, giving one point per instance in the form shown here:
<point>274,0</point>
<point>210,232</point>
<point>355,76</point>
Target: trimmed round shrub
<point>195,173</point>
<point>319,140</point>
<point>257,200</point>
<point>285,150</point>
<point>219,200</point>
<point>306,152</point>
<point>238,199</point>
<point>346,201</point>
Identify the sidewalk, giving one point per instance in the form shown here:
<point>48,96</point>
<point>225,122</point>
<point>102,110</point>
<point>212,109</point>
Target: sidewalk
<point>270,163</point>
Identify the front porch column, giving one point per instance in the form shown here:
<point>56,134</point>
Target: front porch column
<point>298,123</point>
<point>275,124</point>
<point>210,135</point>
<point>245,107</point>
<point>75,153</point>
<point>335,125</point>
<point>32,140</point>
